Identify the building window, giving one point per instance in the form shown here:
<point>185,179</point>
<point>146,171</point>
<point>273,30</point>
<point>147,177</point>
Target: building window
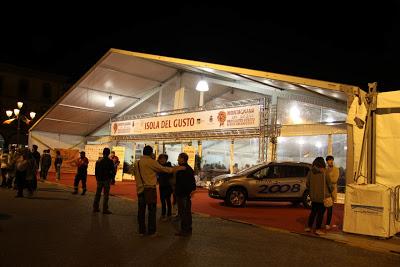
<point>46,90</point>
<point>23,87</point>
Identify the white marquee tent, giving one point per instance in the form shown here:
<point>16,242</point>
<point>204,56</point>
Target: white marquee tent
<point>148,84</point>
<point>141,83</point>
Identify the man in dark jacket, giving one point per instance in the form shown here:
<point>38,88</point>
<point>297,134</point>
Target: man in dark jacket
<point>45,163</point>
<point>36,156</point>
<point>165,188</point>
<point>185,185</point>
<point>104,172</point>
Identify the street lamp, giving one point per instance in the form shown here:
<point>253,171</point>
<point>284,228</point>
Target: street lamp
<point>18,116</point>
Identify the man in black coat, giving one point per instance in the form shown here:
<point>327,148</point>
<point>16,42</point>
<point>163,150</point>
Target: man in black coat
<point>104,172</point>
<point>36,156</point>
<point>185,185</point>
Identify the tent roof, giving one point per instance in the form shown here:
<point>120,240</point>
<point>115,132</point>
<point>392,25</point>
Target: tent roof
<point>133,78</point>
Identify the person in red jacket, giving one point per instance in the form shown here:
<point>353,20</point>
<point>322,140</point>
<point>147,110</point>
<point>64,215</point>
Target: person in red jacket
<point>82,163</point>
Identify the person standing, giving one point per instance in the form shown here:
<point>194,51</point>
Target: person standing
<point>116,162</point>
<point>165,188</point>
<point>185,185</point>
<point>30,171</point>
<point>146,170</point>
<point>5,159</point>
<point>45,163</point>
<point>57,165</point>
<point>333,173</point>
<point>82,163</point>
<point>36,156</point>
<point>21,169</point>
<point>319,186</point>
<point>11,170</point>
<point>104,172</point>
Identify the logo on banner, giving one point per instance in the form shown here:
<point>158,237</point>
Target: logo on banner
<point>221,118</point>
<point>115,127</point>
<point>367,209</point>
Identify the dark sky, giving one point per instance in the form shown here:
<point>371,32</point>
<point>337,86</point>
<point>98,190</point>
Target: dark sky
<point>353,44</point>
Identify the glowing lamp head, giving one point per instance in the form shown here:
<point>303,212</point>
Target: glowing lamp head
<point>202,86</point>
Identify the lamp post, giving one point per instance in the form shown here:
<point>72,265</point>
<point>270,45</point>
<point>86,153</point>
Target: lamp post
<point>18,116</point>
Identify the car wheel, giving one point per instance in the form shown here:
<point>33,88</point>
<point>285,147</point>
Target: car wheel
<point>236,197</point>
<point>306,199</point>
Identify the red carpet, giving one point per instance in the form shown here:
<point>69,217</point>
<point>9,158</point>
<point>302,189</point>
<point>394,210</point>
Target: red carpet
<point>270,214</point>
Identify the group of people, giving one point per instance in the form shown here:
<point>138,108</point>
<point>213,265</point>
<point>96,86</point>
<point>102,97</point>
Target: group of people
<point>82,164</point>
<point>177,181</point>
<point>19,168</point>
<point>322,185</point>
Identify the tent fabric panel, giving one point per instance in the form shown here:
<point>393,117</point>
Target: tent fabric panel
<point>387,140</point>
<point>103,131</point>
<point>139,66</point>
<point>77,115</point>
<point>45,139</point>
<point>149,106</point>
<point>64,128</point>
<point>241,71</point>
<point>389,100</point>
<point>94,100</point>
<point>119,82</point>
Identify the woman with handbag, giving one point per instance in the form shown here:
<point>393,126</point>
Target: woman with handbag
<point>319,186</point>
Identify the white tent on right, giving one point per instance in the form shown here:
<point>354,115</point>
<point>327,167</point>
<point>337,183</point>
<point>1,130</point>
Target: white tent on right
<point>372,205</point>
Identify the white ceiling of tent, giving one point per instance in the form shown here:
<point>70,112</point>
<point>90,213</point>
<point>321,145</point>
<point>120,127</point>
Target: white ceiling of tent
<point>133,81</point>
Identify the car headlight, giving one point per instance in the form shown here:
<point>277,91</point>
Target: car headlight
<point>218,183</point>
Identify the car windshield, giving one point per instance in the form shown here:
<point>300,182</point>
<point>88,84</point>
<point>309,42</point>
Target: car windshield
<point>250,169</point>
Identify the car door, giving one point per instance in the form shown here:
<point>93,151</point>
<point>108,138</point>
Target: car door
<point>263,181</point>
<point>291,182</point>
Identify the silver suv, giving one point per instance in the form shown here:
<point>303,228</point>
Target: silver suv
<point>274,181</point>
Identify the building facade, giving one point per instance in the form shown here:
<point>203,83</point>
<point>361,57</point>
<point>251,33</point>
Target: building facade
<point>37,90</point>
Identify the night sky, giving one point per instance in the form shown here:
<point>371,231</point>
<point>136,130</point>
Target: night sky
<point>353,44</point>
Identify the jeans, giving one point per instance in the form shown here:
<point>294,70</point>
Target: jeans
<point>3,174</point>
<point>21,182</point>
<point>100,186</point>
<point>329,215</point>
<point>185,213</point>
<point>43,172</point>
<point>152,210</point>
<point>80,177</point>
<point>165,198</point>
<point>58,172</point>
<point>318,210</point>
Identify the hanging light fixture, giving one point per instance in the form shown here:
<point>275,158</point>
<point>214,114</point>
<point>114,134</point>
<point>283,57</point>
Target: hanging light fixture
<point>110,102</point>
<point>202,85</point>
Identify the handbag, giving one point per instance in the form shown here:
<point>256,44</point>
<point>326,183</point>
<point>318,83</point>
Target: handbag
<point>328,201</point>
<point>150,193</point>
